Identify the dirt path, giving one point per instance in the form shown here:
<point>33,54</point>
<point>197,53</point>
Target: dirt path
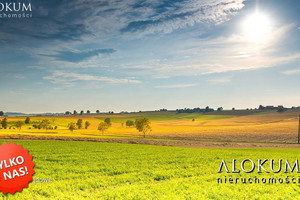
<point>178,143</point>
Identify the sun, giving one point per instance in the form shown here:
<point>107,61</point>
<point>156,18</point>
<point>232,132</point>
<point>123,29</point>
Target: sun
<point>257,27</point>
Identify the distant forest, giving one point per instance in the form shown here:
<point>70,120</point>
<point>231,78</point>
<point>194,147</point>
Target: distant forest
<point>197,110</point>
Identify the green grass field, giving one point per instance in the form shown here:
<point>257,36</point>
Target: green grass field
<point>127,171</point>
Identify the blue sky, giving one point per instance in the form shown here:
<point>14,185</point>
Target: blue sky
<point>133,55</point>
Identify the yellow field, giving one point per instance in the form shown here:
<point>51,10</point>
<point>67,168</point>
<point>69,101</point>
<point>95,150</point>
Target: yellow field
<point>258,127</point>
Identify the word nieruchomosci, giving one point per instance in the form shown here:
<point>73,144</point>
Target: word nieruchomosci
<point>259,180</point>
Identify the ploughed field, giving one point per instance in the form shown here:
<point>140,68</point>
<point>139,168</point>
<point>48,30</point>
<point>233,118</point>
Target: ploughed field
<point>93,170</point>
<point>225,126</point>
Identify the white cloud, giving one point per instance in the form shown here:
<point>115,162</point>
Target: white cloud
<point>109,18</point>
<point>19,76</point>
<point>191,56</point>
<point>220,80</point>
<point>291,72</point>
<point>176,86</point>
<point>61,77</point>
<point>183,14</point>
<point>223,54</point>
<point>36,67</point>
<point>134,16</point>
<point>12,92</point>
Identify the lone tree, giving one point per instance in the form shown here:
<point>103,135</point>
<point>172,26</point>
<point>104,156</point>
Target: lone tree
<point>98,112</point>
<point>75,112</point>
<point>79,123</point>
<point>220,109</point>
<point>68,113</point>
<point>45,124</point>
<point>27,120</point>
<point>82,112</point>
<point>107,121</point>
<point>72,126</point>
<point>129,123</point>
<point>143,125</point>
<point>87,124</point>
<point>103,126</point>
<point>88,112</point>
<point>4,123</point>
<point>1,113</point>
<point>19,124</point>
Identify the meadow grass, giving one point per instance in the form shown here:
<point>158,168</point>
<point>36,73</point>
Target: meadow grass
<point>128,171</point>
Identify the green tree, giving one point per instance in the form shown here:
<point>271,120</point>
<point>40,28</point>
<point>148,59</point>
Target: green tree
<point>129,123</point>
<point>71,126</point>
<point>87,124</point>
<point>103,126</point>
<point>19,124</point>
<point>4,123</point>
<point>98,112</point>
<point>79,123</point>
<point>1,113</point>
<point>88,112</point>
<point>107,121</point>
<point>75,112</point>
<point>143,125</point>
<point>45,124</point>
<point>281,110</point>
<point>82,112</point>
<point>27,120</point>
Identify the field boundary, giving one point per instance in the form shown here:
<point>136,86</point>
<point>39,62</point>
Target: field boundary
<point>177,143</point>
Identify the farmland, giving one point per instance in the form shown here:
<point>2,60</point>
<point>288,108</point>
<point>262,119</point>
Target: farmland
<point>226,126</point>
<point>127,171</point>
<point>100,167</point>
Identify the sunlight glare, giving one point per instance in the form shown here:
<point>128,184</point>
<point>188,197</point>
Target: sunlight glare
<point>257,27</point>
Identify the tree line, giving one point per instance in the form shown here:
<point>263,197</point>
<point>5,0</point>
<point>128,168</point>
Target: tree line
<point>88,112</point>
<point>196,110</point>
<point>44,124</point>
<point>142,124</point>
